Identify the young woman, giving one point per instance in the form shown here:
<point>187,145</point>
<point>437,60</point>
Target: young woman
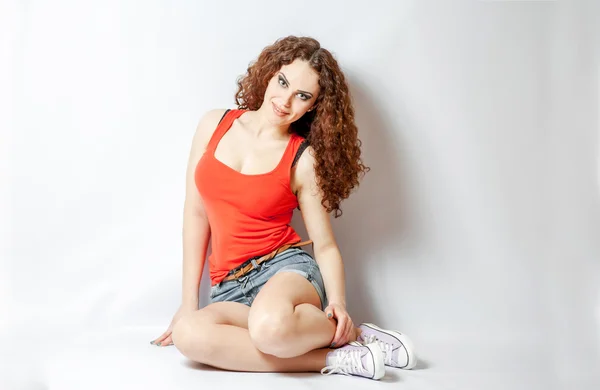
<point>292,143</point>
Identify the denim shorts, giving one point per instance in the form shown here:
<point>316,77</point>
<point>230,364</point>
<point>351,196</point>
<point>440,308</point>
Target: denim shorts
<point>245,289</point>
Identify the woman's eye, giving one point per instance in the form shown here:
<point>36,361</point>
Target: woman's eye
<point>283,84</point>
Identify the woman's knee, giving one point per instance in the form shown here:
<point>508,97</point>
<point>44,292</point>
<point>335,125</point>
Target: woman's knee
<point>191,335</point>
<point>271,331</point>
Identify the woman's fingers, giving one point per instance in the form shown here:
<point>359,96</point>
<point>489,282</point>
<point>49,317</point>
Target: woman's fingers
<point>167,341</point>
<point>348,333</point>
<point>345,331</point>
<point>339,331</point>
<point>162,337</point>
<point>329,311</point>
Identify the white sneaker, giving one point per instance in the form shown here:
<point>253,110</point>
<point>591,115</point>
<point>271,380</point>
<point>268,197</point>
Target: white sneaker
<point>398,350</point>
<point>356,359</point>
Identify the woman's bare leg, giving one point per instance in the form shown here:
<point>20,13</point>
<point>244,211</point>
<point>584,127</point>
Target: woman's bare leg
<point>283,320</point>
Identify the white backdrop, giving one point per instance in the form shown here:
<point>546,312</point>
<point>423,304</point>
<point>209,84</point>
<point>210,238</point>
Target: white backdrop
<point>477,231</point>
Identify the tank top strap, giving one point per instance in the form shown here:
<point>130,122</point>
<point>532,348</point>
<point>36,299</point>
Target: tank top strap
<point>223,126</point>
<point>290,154</point>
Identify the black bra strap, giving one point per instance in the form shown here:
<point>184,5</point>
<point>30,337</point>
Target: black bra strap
<point>226,111</point>
<point>301,148</point>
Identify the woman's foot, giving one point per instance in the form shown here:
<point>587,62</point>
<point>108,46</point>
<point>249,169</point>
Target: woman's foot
<point>356,359</point>
<point>398,349</point>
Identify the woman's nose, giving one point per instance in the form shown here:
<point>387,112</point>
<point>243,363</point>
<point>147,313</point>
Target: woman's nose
<point>288,101</point>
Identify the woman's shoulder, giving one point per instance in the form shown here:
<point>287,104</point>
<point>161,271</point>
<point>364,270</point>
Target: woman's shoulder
<point>206,127</point>
<point>214,115</point>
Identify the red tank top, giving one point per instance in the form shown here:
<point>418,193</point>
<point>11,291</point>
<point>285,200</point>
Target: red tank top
<point>249,215</point>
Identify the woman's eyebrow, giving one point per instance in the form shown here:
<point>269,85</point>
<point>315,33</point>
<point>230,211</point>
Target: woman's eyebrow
<point>286,80</point>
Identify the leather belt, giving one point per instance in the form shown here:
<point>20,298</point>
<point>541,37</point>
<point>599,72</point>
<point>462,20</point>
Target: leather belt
<point>255,261</point>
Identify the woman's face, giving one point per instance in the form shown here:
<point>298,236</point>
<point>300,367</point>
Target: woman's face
<point>291,92</point>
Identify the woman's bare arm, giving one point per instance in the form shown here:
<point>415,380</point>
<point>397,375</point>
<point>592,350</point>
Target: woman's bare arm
<point>196,229</point>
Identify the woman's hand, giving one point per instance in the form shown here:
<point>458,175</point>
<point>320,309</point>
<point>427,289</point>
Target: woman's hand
<point>345,331</point>
<point>165,338</point>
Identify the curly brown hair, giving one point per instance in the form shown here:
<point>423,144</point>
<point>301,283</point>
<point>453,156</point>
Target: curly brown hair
<point>329,128</point>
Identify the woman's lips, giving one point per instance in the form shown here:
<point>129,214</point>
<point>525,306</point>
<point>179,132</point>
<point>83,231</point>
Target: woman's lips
<point>278,112</point>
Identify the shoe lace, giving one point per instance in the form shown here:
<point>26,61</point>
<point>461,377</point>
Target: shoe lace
<point>347,363</point>
<point>386,348</point>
